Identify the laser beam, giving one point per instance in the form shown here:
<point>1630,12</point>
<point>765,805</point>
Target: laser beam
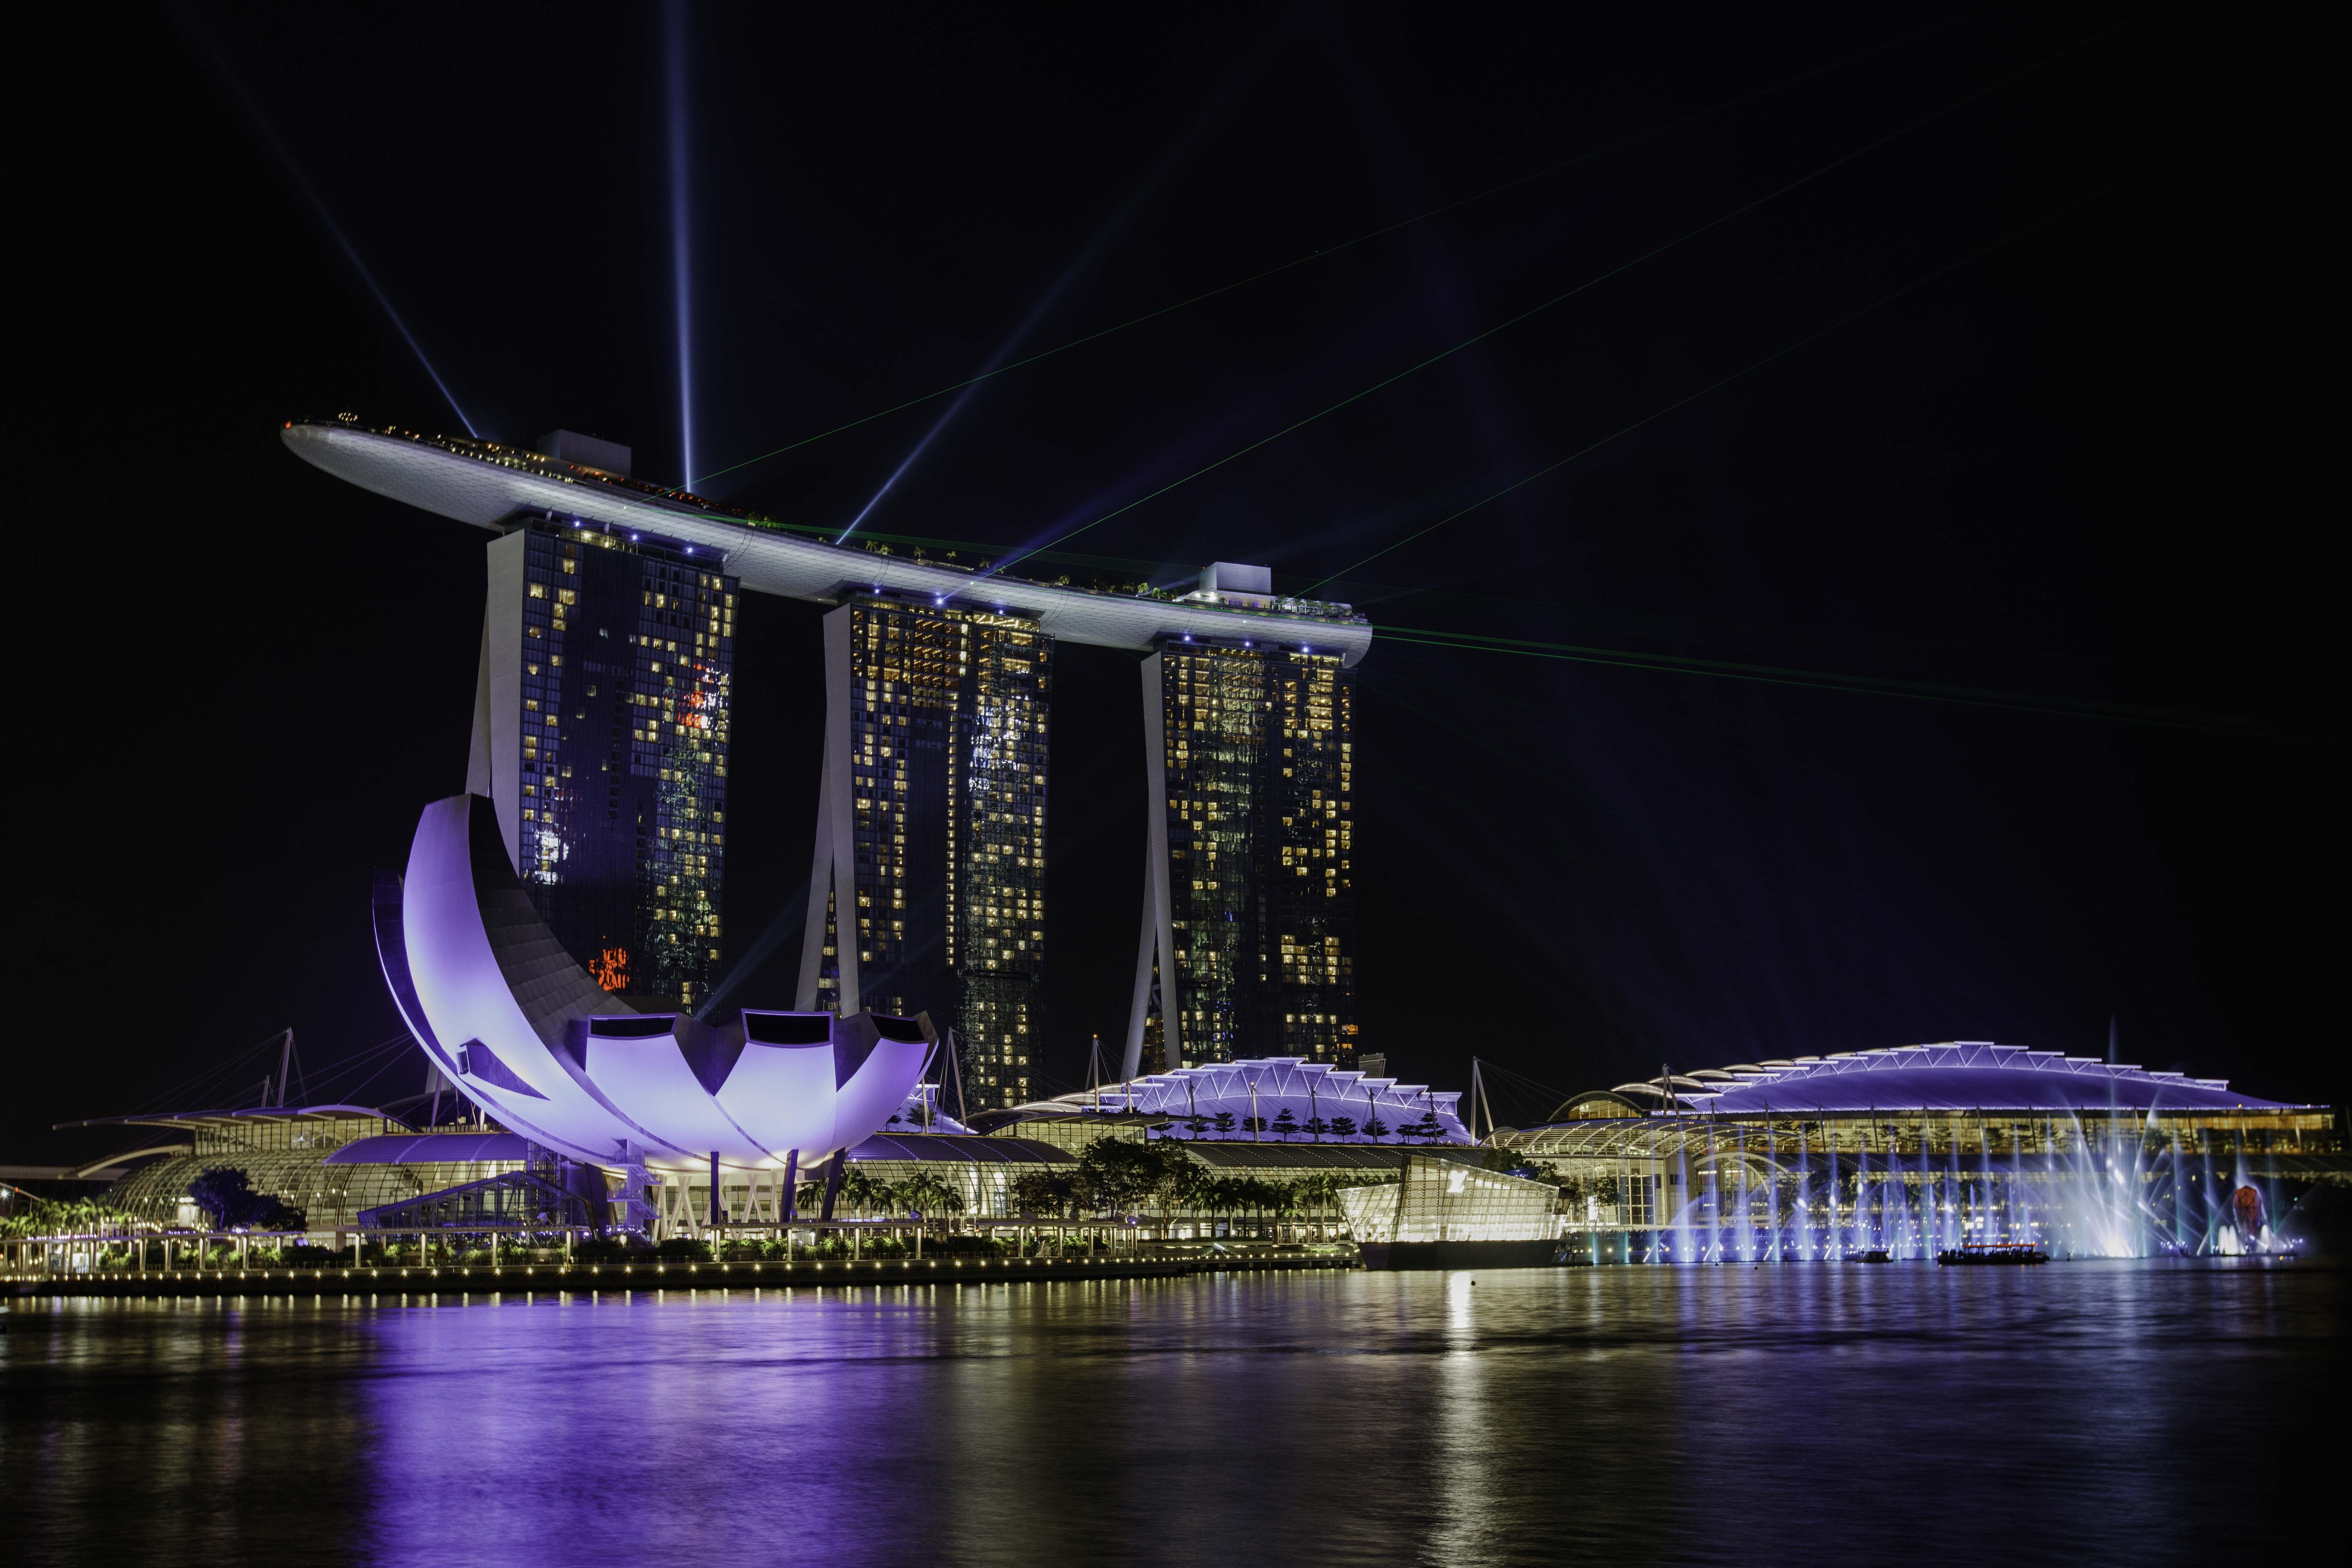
<point>680,254</point>
<point>1590,283</point>
<point>1078,268</point>
<point>1860,685</point>
<point>1780,354</point>
<point>1323,252</point>
<point>293,171</point>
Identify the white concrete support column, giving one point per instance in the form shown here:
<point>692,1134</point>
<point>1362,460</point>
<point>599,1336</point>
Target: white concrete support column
<point>1158,934</point>
<point>1147,946</point>
<point>494,760</point>
<point>833,867</point>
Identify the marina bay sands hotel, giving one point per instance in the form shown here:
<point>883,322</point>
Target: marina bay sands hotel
<point>601,733</point>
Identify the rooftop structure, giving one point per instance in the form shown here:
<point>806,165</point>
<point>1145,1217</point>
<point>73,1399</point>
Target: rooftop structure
<point>1270,1099</point>
<point>1957,1075</point>
<point>494,486</point>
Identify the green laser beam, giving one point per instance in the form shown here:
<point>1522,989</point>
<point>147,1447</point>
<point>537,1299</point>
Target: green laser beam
<point>1779,353</point>
<point>1590,283</point>
<point>1329,250</point>
<point>1862,685</point>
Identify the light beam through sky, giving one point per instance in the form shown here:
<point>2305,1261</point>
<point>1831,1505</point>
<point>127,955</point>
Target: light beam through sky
<point>674,82</point>
<point>1077,268</point>
<point>260,124</point>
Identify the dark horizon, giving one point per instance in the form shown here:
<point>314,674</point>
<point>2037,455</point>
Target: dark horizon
<point>1997,423</point>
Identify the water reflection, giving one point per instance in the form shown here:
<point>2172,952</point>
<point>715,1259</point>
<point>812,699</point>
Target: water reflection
<point>2157,1411</point>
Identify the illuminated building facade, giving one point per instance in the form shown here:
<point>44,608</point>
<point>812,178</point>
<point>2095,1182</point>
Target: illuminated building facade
<point>1248,936</point>
<point>928,892</point>
<point>601,736</point>
<point>1910,1152</point>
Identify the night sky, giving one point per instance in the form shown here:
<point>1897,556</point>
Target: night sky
<point>2066,468</point>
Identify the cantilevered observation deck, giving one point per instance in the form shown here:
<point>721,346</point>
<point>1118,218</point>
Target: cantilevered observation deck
<point>492,486</point>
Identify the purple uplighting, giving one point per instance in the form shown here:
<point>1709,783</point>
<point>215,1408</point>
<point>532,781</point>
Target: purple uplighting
<point>574,1069</point>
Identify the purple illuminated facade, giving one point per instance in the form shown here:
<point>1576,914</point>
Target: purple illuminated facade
<point>522,1030</point>
<point>1957,1075</point>
<point>1290,1095</point>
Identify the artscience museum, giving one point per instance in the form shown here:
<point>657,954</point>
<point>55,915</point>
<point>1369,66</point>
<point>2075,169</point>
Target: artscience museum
<point>518,1027</point>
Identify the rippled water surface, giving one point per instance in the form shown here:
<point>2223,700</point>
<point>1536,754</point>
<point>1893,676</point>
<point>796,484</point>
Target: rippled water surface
<point>2083,1413</point>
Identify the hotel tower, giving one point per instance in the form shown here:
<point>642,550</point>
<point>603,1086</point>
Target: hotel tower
<point>1248,939</point>
<point>601,736</point>
<point>927,887</point>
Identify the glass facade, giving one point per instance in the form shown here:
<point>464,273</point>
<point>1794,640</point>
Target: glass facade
<point>1258,770</point>
<point>948,733</point>
<point>628,657</point>
<point>286,1158</point>
<point>1443,1201</point>
<point>1810,1185</point>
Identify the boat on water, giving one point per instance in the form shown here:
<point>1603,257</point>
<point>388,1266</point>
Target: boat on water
<point>1994,1252</point>
<point>1873,1255</point>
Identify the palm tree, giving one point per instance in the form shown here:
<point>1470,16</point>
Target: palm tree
<point>808,1198</point>
<point>864,1193</point>
<point>926,1194</point>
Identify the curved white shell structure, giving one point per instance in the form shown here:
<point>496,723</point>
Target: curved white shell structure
<point>524,1033</point>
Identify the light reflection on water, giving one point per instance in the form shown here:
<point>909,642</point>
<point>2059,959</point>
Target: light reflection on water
<point>2086,1411</point>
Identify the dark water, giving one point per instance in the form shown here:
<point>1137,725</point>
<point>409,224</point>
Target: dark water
<point>2081,1413</point>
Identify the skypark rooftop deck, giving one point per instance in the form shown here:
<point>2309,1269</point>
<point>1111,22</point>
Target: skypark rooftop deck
<point>492,486</point>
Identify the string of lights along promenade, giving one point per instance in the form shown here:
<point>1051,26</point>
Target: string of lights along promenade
<point>601,733</point>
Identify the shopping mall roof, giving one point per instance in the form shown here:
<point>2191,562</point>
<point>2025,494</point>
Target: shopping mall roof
<point>1272,1154</point>
<point>232,1120</point>
<point>1955,1075</point>
<point>1262,1087</point>
<point>966,1148</point>
<point>491,486</point>
<point>434,1149</point>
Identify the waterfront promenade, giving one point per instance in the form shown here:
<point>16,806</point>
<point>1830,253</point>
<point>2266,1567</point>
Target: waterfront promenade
<point>652,1275</point>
